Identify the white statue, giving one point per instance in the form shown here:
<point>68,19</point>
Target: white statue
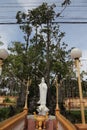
<point>42,109</point>
<point>43,92</point>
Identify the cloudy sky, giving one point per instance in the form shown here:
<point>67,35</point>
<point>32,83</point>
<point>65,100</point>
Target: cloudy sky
<point>76,34</point>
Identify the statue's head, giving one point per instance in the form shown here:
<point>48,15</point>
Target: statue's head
<point>43,79</point>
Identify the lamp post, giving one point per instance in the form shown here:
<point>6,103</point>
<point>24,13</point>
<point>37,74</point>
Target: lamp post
<point>27,92</point>
<point>3,56</point>
<point>56,85</point>
<point>76,54</point>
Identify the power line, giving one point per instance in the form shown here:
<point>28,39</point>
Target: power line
<point>12,6</point>
<point>30,5</point>
<point>58,22</point>
<point>33,4</point>
<point>70,22</point>
<point>76,20</point>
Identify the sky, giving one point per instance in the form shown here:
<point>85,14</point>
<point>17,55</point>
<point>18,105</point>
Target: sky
<point>75,34</point>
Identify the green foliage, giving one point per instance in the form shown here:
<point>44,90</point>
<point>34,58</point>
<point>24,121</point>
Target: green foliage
<point>4,112</point>
<point>42,14</point>
<point>75,116</point>
<point>7,112</point>
<point>66,2</point>
<point>7,100</point>
<point>51,54</point>
<point>42,55</point>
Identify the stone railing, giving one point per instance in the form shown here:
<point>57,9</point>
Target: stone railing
<point>63,123</point>
<point>17,122</point>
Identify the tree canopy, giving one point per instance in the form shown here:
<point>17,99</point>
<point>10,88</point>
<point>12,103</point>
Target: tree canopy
<point>44,54</point>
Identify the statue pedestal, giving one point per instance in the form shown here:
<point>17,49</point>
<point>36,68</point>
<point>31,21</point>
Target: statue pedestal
<point>40,121</point>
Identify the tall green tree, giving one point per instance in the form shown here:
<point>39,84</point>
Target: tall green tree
<point>49,55</point>
<point>47,36</point>
<point>43,54</point>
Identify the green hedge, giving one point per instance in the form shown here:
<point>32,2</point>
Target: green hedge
<point>75,116</point>
<point>4,113</point>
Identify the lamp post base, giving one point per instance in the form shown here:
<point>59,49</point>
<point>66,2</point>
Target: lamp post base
<point>81,126</point>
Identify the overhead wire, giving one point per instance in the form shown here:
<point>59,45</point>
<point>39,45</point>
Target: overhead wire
<point>4,17</point>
